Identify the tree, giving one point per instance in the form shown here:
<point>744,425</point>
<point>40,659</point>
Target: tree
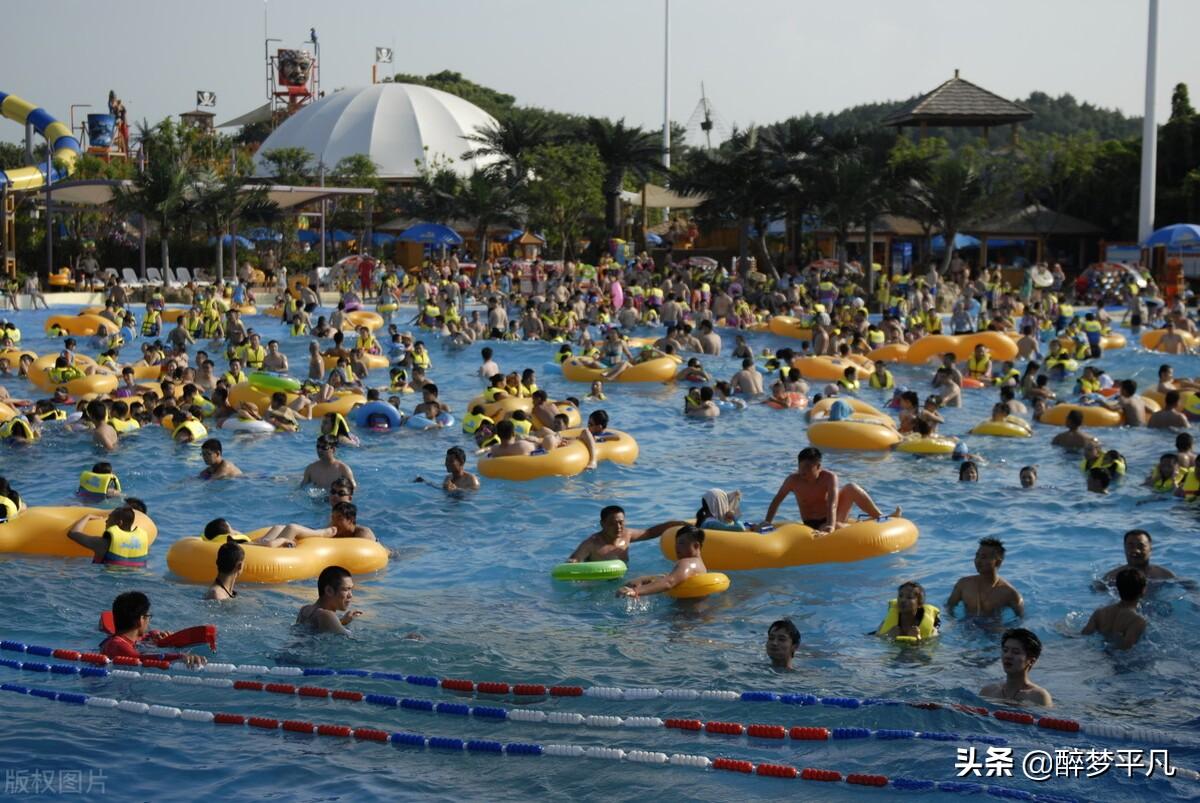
<point>510,141</point>
<point>564,195</point>
<point>354,213</point>
<point>291,167</point>
<point>486,202</point>
<point>162,190</point>
<point>1181,106</point>
<point>1052,171</point>
<point>433,194</point>
<point>740,186</point>
<point>841,178</point>
<point>791,145</point>
<point>222,201</point>
<point>623,150</point>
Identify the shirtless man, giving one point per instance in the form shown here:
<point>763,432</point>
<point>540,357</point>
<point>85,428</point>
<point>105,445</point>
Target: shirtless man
<point>457,477</point>
<point>103,434</point>
<point>710,341</point>
<point>1130,404</point>
<point>946,386</point>
<point>1027,345</point>
<point>1137,556</point>
<point>986,593</point>
<point>335,590</point>
<point>823,506</point>
<point>748,381</point>
<point>327,467</point>
<point>1169,417</point>
<point>216,466</point>
<point>1074,439</point>
<point>1120,623</point>
<point>1019,651</point>
<point>510,445</point>
<point>1168,382</point>
<point>689,539</point>
<point>275,361</point>
<point>612,540</point>
<point>1171,341</point>
<point>544,410</point>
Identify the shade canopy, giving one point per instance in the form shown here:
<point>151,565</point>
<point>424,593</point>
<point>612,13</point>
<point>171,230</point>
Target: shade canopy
<point>1181,235</point>
<point>399,127</point>
<point>99,192</point>
<point>263,234</point>
<point>431,234</point>
<point>657,197</point>
<point>938,243</point>
<point>228,239</point>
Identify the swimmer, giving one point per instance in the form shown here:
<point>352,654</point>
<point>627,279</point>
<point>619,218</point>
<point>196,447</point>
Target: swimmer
<point>131,623</point>
<point>783,637</point>
<point>457,478</point>
<point>911,615</point>
<point>986,592</point>
<point>612,540</point>
<point>968,471</point>
<point>596,393</point>
<point>1074,439</point>
<point>597,423</point>
<point>216,466</point>
<point>1170,416</point>
<point>1019,651</point>
<point>699,403</point>
<point>748,381</point>
<point>1028,476</point>
<point>231,559</point>
<point>430,407</point>
<point>1183,447</point>
<point>1129,404</point>
<point>122,543</point>
<point>688,542</point>
<point>1098,480</point>
<point>335,591</point>
<point>1137,556</point>
<point>327,467</point>
<point>1120,623</point>
<point>510,444</point>
<point>823,505</point>
<point>1166,474</point>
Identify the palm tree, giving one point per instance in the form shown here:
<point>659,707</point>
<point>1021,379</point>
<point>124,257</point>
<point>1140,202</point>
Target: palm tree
<point>791,145</point>
<point>432,196</point>
<point>485,202</point>
<point>510,141</point>
<point>623,150</point>
<point>740,186</point>
<point>162,190</point>
<point>959,189</point>
<point>222,202</point>
<point>841,180</point>
<point>291,166</point>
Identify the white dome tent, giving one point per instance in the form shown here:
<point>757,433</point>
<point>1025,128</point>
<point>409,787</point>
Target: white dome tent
<point>396,125</point>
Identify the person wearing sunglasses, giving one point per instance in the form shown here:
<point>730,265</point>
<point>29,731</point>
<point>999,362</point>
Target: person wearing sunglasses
<point>327,468</point>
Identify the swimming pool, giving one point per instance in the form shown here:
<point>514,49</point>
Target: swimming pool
<point>471,576</point>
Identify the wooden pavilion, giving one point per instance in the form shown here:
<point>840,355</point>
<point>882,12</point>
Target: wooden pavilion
<point>958,103</point>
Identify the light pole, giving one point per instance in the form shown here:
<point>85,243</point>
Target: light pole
<point>1149,132</point>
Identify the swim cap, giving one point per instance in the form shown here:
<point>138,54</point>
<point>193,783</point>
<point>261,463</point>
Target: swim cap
<point>960,449</point>
<point>840,411</point>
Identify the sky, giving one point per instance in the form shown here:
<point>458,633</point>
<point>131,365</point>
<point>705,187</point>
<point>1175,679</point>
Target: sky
<point>760,60</point>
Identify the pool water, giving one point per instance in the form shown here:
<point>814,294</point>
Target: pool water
<point>470,575</point>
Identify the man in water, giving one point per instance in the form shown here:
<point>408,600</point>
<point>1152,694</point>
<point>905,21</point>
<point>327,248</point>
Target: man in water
<point>1120,623</point>
<point>131,623</point>
<point>986,593</point>
<point>612,540</point>
<point>275,361</point>
<point>1169,417</point>
<point>1129,404</point>
<point>689,540</point>
<point>457,478</point>
<point>327,467</point>
<point>216,466</point>
<point>748,381</point>
<point>231,559</point>
<point>335,590</point>
<point>1137,556</point>
<point>823,506</point>
<point>1074,439</point>
<point>1019,651</point>
<point>782,640</point>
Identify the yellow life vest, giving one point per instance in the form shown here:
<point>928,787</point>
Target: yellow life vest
<point>562,357</point>
<point>106,362</point>
<point>1089,385</point>
<point>1012,373</point>
<point>1189,484</point>
<point>340,427</point>
<point>522,427</point>
<point>978,367</point>
<point>123,425</point>
<point>299,328</point>
<point>13,334</point>
<point>234,379</point>
<point>210,326</point>
<point>98,484</point>
<point>253,357</point>
<point>126,547</point>
<point>473,421</point>
<point>193,426</point>
<point>528,390</point>
<point>875,337</point>
<point>62,375</point>
<point>367,343</point>
<point>887,382</point>
<point>237,538</point>
<point>492,393</point>
<point>1163,484</point>
<point>204,405</point>
<point>1117,467</point>
<point>52,415</point>
<point>422,360</point>
<point>1066,311</point>
<point>1092,326</point>
<point>846,384</point>
<point>929,615</point>
<point>17,428</point>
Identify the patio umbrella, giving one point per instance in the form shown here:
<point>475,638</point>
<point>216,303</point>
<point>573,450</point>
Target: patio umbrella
<point>653,239</point>
<point>431,234</point>
<point>512,236</point>
<point>961,241</point>
<point>308,236</point>
<point>379,239</point>
<point>1181,235</point>
<point>263,234</point>
<point>227,242</point>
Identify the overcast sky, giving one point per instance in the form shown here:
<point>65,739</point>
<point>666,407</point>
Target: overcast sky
<point>760,60</point>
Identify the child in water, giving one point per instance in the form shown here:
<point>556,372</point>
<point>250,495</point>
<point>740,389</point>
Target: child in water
<point>688,541</point>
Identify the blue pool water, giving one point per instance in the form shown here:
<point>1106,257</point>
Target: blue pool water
<point>470,575</point>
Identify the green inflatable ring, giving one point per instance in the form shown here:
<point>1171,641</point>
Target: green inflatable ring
<point>271,383</point>
<point>590,570</point>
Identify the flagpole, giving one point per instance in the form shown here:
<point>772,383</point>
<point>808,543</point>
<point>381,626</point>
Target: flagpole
<point>1149,132</point>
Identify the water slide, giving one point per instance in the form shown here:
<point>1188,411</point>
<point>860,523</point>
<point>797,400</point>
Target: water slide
<point>63,146</point>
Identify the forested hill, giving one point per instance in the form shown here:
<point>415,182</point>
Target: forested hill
<point>1062,115</point>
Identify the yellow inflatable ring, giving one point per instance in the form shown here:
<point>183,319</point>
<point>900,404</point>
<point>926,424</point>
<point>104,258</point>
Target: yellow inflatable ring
<point>363,317</point>
<point>243,392</point>
<point>1002,429</point>
<point>373,362</point>
<point>7,412</point>
<point>81,325</point>
<point>294,285</point>
<point>831,369</point>
<point>700,585</point>
<point>274,312</point>
<point>14,356</point>
<point>195,559</point>
<point>659,369</point>
<point>503,408</point>
<point>1000,346</point>
<point>247,309</point>
<point>43,531</point>
<point>929,444</point>
<point>793,544</point>
<point>892,352</point>
<point>98,384</point>
<point>143,371</point>
<point>1150,339</point>
<point>929,347</point>
<point>1112,341</point>
<point>566,461</point>
<point>1092,416</point>
<point>173,314</point>
<point>862,410</point>
<point>47,361</point>
<point>612,445</point>
<point>852,434</point>
<point>787,326</point>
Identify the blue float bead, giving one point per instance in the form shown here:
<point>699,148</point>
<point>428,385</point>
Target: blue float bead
<point>997,740</point>
<point>421,680</point>
<point>445,743</point>
<point>72,697</point>
<point>759,696</point>
<point>939,736</point>
<point>416,705</point>
<point>892,733</point>
<point>34,666</point>
<point>34,649</point>
<point>410,739</point>
<point>960,787</point>
<point>11,663</point>
<point>484,746</point>
<point>354,673</point>
<point>912,784</point>
<point>490,712</point>
<point>47,693</point>
<point>313,671</point>
<point>798,699</point>
<point>14,688</point>
<point>12,646</point>
<point>64,669</point>
<point>382,699</point>
<point>93,672</point>
<point>457,709</point>
<point>523,749</point>
<point>1009,794</point>
<point>850,733</point>
<point>387,676</point>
